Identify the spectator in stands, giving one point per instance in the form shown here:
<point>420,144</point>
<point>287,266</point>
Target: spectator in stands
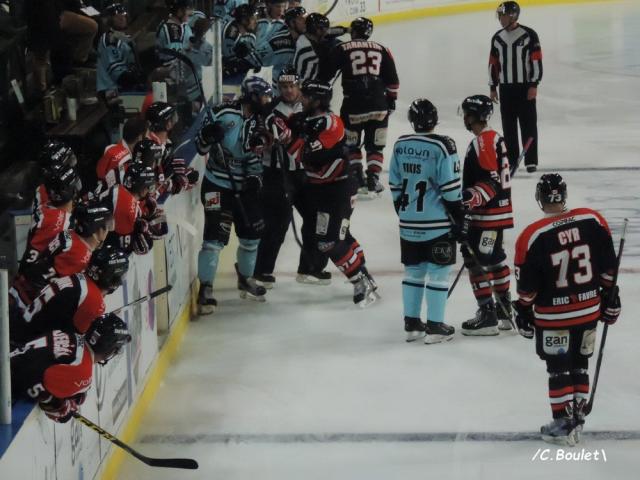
<point>60,26</point>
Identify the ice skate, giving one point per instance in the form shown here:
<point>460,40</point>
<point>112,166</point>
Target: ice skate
<point>505,321</point>
<point>363,290</point>
<point>437,332</point>
<point>206,303</point>
<point>374,285</point>
<point>560,431</point>
<point>579,417</point>
<point>314,278</point>
<point>485,323</point>
<point>249,288</point>
<point>267,280</point>
<point>374,187</point>
<point>414,328</point>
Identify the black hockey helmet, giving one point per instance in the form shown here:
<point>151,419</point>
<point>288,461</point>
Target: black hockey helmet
<point>62,183</point>
<point>476,108</point>
<point>106,336</point>
<point>551,190</point>
<point>508,8</point>
<point>318,90</point>
<point>55,152</point>
<point>289,75</point>
<point>175,5</point>
<point>138,177</point>
<point>315,22</point>
<point>147,152</point>
<point>91,217</point>
<point>422,115</point>
<point>107,267</point>
<point>292,13</point>
<point>361,28</point>
<point>115,9</point>
<point>256,92</point>
<point>244,11</point>
<point>159,114</point>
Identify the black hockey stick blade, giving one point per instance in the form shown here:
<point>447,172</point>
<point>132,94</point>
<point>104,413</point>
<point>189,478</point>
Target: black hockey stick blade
<point>589,406</point>
<point>184,463</point>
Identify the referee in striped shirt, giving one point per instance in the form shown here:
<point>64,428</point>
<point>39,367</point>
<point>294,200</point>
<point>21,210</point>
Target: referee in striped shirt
<point>515,70</point>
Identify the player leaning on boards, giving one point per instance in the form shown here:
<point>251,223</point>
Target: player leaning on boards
<point>426,239</point>
<point>515,68</point>
<point>486,193</point>
<point>565,266</point>
<point>370,86</point>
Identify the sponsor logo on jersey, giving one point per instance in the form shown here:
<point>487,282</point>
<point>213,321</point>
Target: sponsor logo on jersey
<point>413,152</point>
<point>62,345</point>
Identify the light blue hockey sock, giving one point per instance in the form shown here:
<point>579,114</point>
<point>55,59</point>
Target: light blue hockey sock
<point>413,289</point>
<point>436,291</point>
<point>246,255</point>
<point>208,261</point>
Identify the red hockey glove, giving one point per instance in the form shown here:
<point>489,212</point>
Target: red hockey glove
<point>59,410</point>
<point>283,132</point>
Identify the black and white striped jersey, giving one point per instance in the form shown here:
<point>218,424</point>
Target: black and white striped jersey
<point>515,58</point>
<point>306,60</point>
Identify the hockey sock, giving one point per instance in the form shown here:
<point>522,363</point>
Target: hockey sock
<point>437,289</point>
<point>501,278</point>
<point>480,284</point>
<point>374,162</point>
<point>246,255</point>
<point>347,257</point>
<point>413,289</point>
<point>561,394</point>
<point>580,378</point>
<point>208,261</point>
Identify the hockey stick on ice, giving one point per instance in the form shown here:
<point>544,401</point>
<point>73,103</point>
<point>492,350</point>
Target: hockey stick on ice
<point>472,254</point>
<point>143,299</point>
<point>525,149</point>
<point>186,463</point>
<point>589,405</point>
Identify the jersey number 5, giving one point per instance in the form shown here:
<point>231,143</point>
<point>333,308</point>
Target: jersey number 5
<point>582,254</point>
<point>363,63</point>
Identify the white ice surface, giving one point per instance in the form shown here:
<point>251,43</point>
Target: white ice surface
<point>308,362</point>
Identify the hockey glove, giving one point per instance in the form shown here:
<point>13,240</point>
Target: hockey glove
<point>296,124</point>
<point>524,319</point>
<point>241,50</point>
<point>179,183</point>
<point>258,143</point>
<point>471,198</point>
<point>158,227</point>
<point>59,410</point>
<point>460,231</point>
<point>192,176</point>
<point>391,104</point>
<point>283,131</point>
<point>149,206</point>
<point>252,184</point>
<point>142,243</point>
<point>212,133</point>
<point>610,306</point>
<point>174,166</point>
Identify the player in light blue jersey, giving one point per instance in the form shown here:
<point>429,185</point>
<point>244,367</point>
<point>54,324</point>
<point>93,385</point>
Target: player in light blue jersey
<point>234,140</point>
<point>427,242</point>
<point>272,22</point>
<point>224,8</point>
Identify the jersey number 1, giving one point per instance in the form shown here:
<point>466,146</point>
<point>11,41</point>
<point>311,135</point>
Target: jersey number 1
<point>363,63</point>
<point>421,188</point>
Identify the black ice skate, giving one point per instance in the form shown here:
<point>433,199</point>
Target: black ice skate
<point>561,431</point>
<point>266,280</point>
<point>532,168</point>
<point>314,278</point>
<point>437,332</point>
<point>414,328</point>
<point>505,321</point>
<point>485,323</point>
<point>249,288</point>
<point>363,290</point>
<point>374,187</point>
<point>206,303</point>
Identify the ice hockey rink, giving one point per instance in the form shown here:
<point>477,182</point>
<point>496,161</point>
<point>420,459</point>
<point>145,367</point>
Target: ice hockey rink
<point>307,386</point>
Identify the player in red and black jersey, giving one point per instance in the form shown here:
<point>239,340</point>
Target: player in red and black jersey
<point>68,253</point>
<point>565,265</point>
<point>370,86</point>
<point>319,141</point>
<point>73,302</point>
<point>486,194</point>
<point>56,369</point>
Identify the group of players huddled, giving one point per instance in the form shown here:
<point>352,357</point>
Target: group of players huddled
<point>266,156</point>
<point>77,252</point>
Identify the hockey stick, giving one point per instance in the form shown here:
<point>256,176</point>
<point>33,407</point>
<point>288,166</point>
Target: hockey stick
<point>186,463</point>
<point>589,405</point>
<point>525,149</point>
<point>188,227</point>
<point>234,188</point>
<point>472,254</point>
<point>143,299</point>
<point>330,9</point>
